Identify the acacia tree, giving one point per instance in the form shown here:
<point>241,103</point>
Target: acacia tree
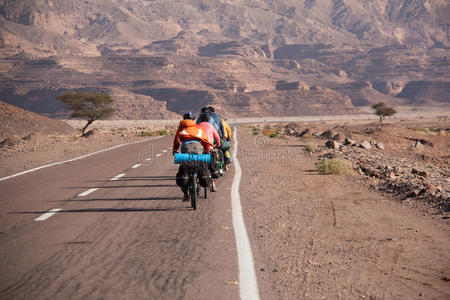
<point>383,111</point>
<point>90,106</point>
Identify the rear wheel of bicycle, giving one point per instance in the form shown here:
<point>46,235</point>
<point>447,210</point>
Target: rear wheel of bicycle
<point>206,189</point>
<point>194,194</point>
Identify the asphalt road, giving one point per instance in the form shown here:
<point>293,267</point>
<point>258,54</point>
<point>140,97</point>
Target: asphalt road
<point>130,238</point>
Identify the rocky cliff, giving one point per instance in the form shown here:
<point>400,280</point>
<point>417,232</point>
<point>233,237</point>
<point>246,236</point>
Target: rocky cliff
<point>161,58</point>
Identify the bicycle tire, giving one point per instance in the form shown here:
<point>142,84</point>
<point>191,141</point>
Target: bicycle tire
<point>206,190</point>
<point>194,194</point>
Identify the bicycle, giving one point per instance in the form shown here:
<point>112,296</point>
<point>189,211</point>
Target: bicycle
<point>192,162</point>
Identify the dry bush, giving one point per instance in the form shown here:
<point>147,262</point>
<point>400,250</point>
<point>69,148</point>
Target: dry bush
<point>336,166</point>
<point>269,132</point>
<point>311,147</point>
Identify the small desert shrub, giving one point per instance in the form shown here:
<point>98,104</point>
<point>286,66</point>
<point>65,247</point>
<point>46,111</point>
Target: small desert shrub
<point>273,135</point>
<point>332,166</point>
<point>255,131</point>
<point>425,130</point>
<point>146,133</point>
<point>311,147</point>
<point>268,132</point>
<point>306,136</point>
<point>163,132</point>
<point>154,133</point>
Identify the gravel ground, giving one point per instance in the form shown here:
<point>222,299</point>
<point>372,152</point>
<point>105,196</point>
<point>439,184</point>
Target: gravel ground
<point>334,237</point>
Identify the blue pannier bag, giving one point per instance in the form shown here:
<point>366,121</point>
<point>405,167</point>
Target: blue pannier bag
<point>185,157</point>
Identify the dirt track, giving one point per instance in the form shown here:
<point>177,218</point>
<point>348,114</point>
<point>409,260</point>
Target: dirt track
<point>329,237</point>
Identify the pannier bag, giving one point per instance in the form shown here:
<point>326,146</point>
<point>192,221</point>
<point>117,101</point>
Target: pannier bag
<point>215,164</point>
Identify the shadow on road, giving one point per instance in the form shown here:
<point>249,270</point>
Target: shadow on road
<point>108,210</point>
<point>121,186</point>
<point>141,178</point>
<point>119,199</point>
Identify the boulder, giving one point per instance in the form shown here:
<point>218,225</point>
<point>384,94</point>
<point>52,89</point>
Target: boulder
<point>333,145</point>
<point>365,145</point>
<point>350,142</point>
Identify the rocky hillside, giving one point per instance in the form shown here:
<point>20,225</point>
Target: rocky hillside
<point>161,58</point>
<point>18,123</point>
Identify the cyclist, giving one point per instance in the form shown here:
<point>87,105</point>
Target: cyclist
<point>227,130</point>
<point>213,137</point>
<point>225,145</point>
<point>214,120</point>
<point>193,140</point>
<point>209,129</point>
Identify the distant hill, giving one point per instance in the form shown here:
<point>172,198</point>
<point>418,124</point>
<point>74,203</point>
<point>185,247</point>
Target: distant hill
<point>173,56</point>
<point>17,122</point>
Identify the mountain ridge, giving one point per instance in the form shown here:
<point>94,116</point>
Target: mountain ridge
<point>215,47</point>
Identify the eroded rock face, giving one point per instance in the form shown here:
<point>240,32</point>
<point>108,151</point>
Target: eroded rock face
<point>233,52</point>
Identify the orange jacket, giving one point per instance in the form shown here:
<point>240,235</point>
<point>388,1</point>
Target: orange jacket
<point>189,131</point>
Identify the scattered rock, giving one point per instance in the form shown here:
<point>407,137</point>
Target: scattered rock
<point>337,137</point>
<point>304,132</point>
<point>391,175</point>
<point>379,145</point>
<point>327,134</point>
<point>419,146</point>
<point>350,142</point>
<point>365,145</point>
<point>7,143</point>
<point>425,142</point>
<point>290,132</point>
<point>419,173</point>
<point>293,126</point>
<point>28,137</point>
<point>369,131</point>
<point>333,145</point>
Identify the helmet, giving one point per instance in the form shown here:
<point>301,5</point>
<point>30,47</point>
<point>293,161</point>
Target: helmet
<point>205,110</point>
<point>211,109</point>
<point>189,116</point>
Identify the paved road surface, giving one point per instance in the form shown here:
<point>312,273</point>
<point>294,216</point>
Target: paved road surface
<point>132,238</point>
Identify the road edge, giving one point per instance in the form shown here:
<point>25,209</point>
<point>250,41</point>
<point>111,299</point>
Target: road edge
<point>76,158</point>
<point>247,276</point>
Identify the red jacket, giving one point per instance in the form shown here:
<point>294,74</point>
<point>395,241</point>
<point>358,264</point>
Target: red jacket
<point>211,133</point>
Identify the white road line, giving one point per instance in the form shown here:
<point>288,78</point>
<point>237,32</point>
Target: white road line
<point>247,277</point>
<point>87,192</point>
<point>136,166</point>
<point>117,177</point>
<point>48,214</point>
<point>76,158</point>
<point>147,159</point>
<point>164,151</point>
<point>158,155</point>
